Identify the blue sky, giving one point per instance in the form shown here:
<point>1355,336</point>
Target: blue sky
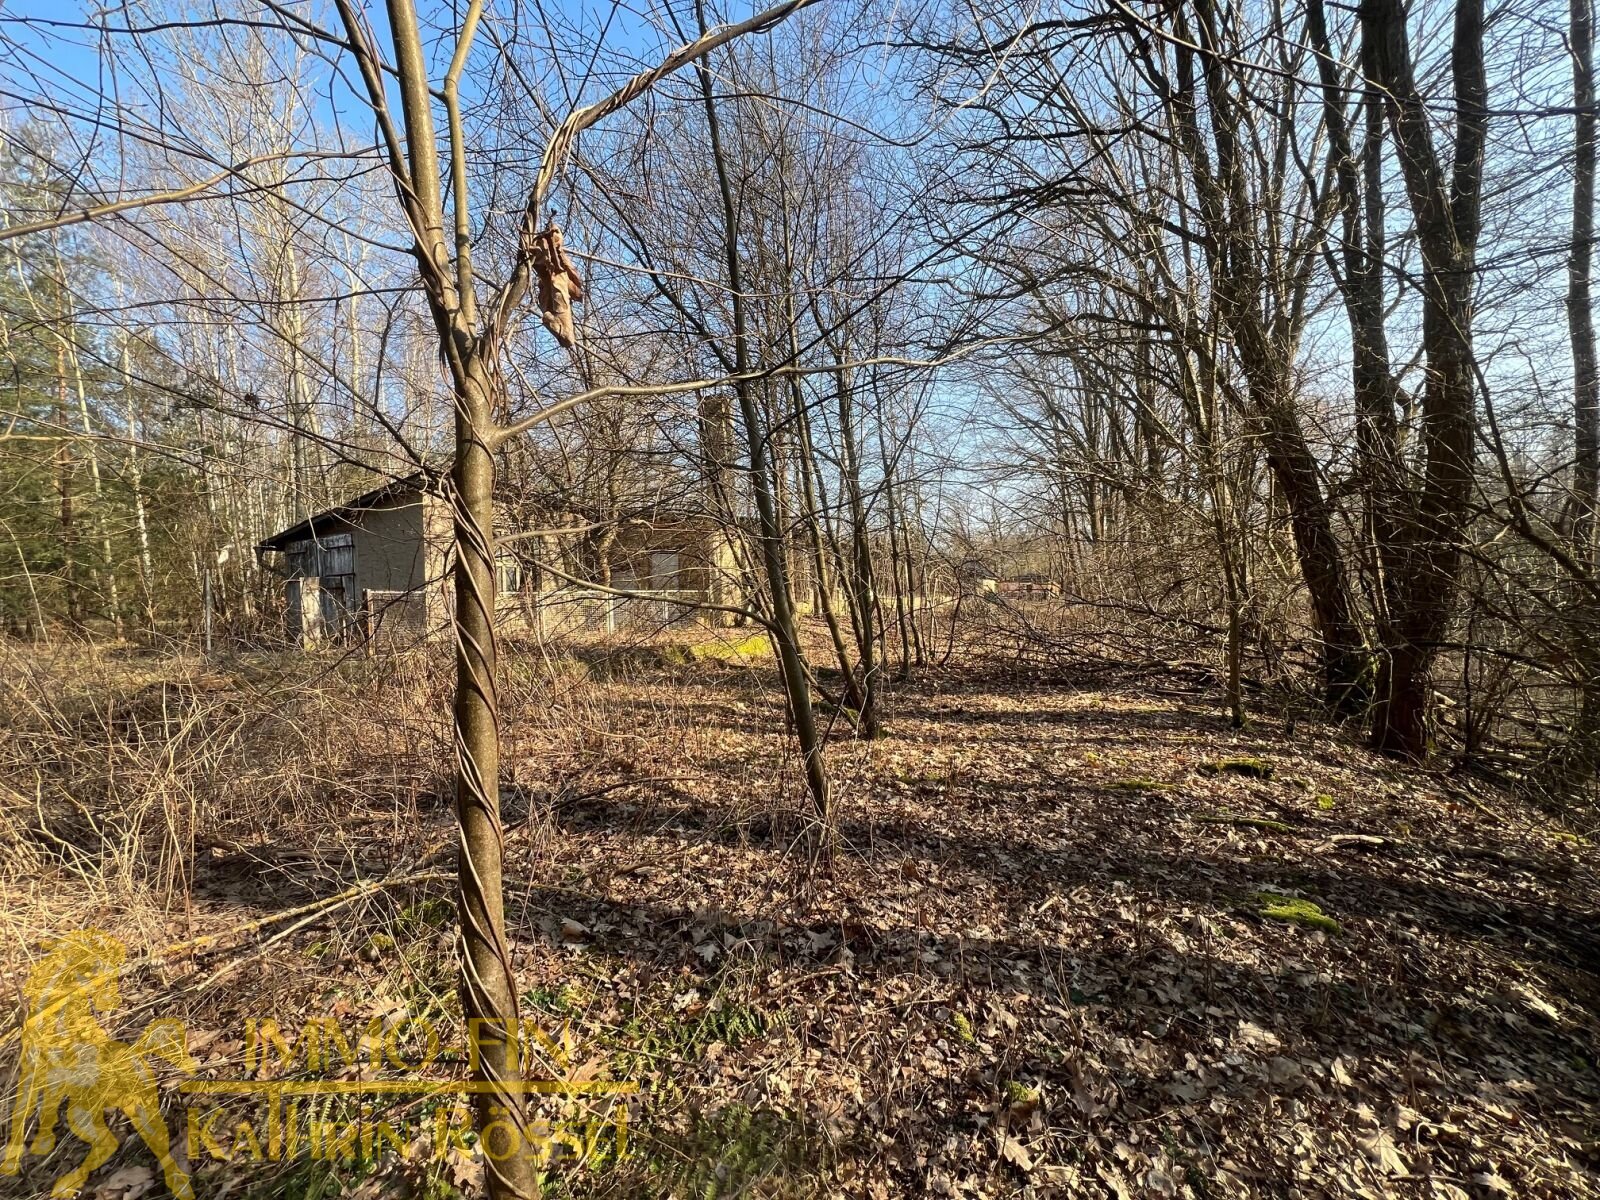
<point>51,48</point>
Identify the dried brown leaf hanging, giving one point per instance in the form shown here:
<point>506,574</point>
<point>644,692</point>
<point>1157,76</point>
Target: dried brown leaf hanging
<point>559,284</point>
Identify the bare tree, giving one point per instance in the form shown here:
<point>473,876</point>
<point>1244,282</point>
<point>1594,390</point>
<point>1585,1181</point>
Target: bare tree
<point>1447,208</point>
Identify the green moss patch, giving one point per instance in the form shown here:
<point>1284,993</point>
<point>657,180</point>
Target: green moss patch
<point>754,648</point>
<point>1140,784</point>
<point>1252,768</point>
<point>1019,1093</point>
<point>1295,911</point>
<point>1266,824</point>
<point>963,1028</point>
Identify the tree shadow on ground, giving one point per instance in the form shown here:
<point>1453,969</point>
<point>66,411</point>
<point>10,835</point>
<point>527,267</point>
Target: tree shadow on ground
<point>1380,886</point>
<point>1131,1026</point>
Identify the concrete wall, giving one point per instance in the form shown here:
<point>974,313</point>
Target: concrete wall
<point>430,526</point>
<point>696,547</point>
<point>402,551</point>
<point>390,548</point>
<point>398,560</point>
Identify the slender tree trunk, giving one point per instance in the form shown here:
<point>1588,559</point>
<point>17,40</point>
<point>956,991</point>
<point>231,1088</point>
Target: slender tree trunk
<point>1344,653</point>
<point>469,350</point>
<point>1385,492</point>
<point>899,557</point>
<point>40,629</point>
<point>101,516</point>
<point>897,573</point>
<point>819,559</point>
<point>797,686</point>
<point>488,983</point>
<point>1228,215</point>
<point>806,452</point>
<point>1580,307</point>
<point>916,579</point>
<point>488,991</point>
<point>66,485</point>
<point>101,523</point>
<point>863,582</point>
<point>141,520</point>
<point>1236,713</point>
<point>833,540</point>
<point>1583,752</point>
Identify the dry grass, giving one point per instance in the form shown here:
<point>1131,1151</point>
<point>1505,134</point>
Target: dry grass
<point>125,774</point>
<point>1015,938</point>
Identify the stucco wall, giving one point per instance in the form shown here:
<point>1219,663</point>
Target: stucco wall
<point>390,551</point>
<point>401,548</point>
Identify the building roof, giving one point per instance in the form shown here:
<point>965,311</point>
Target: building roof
<point>342,515</point>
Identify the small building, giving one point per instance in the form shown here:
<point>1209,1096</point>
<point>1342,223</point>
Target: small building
<point>1027,587</point>
<point>379,565</point>
<point>974,576</point>
<point>378,555</point>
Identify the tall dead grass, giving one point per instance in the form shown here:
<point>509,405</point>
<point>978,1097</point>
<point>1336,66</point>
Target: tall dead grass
<point>122,774</point>
<point>136,788</point>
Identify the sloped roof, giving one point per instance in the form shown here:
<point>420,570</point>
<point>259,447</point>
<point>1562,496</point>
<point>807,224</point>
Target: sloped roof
<point>344,514</point>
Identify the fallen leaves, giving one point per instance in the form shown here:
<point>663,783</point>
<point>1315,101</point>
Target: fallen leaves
<point>1022,980</point>
<point>574,932</point>
<point>1379,1147</point>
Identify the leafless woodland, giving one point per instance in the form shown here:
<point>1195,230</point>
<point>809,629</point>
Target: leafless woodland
<point>982,600</point>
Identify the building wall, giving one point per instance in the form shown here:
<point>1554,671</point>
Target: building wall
<point>398,561</point>
<point>390,548</point>
<point>706,564</point>
<point>438,531</point>
<point>401,551</point>
<point>433,529</point>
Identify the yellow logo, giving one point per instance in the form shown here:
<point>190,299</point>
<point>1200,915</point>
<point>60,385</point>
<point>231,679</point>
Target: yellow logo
<point>67,1057</point>
<point>71,1064</point>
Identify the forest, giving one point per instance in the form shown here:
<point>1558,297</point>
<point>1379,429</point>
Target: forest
<point>847,599</point>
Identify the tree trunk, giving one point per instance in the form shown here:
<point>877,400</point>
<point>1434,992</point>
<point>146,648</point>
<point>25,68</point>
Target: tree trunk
<point>1582,753</point>
<point>1580,308</point>
<point>899,560</point>
<point>66,484</point>
<point>488,983</point>
<point>1265,347</point>
<point>1344,653</point>
<point>1446,209</point>
<point>863,583</point>
<point>141,520</point>
<point>796,684</point>
<point>819,558</point>
<point>1381,472</point>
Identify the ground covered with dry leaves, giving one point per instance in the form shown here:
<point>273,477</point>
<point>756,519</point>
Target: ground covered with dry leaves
<point>1079,938</point>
